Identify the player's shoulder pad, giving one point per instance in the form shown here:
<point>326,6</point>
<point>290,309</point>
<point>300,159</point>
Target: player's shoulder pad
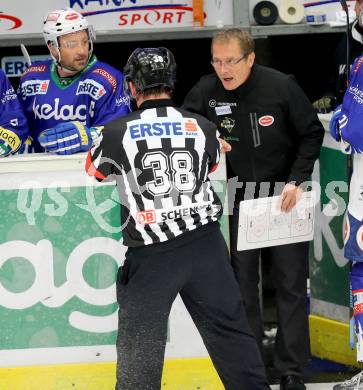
<point>107,75</point>
<point>2,76</point>
<point>37,67</point>
<point>5,85</point>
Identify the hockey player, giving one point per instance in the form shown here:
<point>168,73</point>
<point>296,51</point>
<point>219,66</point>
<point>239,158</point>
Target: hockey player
<point>346,127</point>
<point>13,127</point>
<point>161,156</point>
<point>68,98</point>
<point>337,85</point>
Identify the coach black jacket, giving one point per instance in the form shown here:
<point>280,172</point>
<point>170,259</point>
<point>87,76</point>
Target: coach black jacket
<point>270,123</point>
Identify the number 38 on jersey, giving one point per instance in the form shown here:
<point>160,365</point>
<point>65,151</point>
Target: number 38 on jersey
<point>168,172</point>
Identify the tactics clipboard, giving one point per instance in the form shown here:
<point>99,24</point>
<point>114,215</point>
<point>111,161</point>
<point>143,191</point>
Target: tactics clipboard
<point>262,224</point>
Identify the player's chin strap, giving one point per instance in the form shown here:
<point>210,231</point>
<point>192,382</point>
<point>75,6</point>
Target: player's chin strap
<point>58,62</point>
<point>64,68</point>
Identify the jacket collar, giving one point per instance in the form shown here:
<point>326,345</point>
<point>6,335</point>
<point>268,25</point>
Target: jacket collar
<point>153,103</point>
<point>249,84</point>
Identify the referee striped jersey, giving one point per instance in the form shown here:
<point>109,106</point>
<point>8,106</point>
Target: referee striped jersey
<point>161,156</point>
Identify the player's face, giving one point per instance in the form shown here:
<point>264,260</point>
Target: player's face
<point>74,49</point>
<point>231,65</point>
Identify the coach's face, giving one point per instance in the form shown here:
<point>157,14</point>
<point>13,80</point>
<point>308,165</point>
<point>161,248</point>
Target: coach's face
<point>231,65</point>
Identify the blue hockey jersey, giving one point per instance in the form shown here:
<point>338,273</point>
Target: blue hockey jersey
<point>13,127</point>
<point>93,97</point>
<point>351,130</point>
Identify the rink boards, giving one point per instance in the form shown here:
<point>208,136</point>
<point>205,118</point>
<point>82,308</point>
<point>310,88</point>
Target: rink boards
<point>58,312</point>
<point>60,251</point>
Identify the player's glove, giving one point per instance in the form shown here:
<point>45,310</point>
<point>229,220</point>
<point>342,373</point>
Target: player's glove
<point>351,139</point>
<point>5,149</point>
<point>70,138</point>
<point>325,104</point>
<point>9,142</point>
<point>27,147</point>
<point>337,122</point>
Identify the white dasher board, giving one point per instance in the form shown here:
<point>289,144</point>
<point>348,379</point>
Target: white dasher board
<point>262,224</point>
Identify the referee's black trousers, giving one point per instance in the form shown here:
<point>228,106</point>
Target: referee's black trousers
<point>196,265</point>
<point>289,268</point>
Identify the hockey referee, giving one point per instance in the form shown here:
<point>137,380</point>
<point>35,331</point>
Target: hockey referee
<point>161,156</point>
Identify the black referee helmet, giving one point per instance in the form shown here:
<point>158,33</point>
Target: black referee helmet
<point>149,68</point>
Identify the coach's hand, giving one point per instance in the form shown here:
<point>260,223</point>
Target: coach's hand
<point>225,146</point>
<point>290,196</point>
